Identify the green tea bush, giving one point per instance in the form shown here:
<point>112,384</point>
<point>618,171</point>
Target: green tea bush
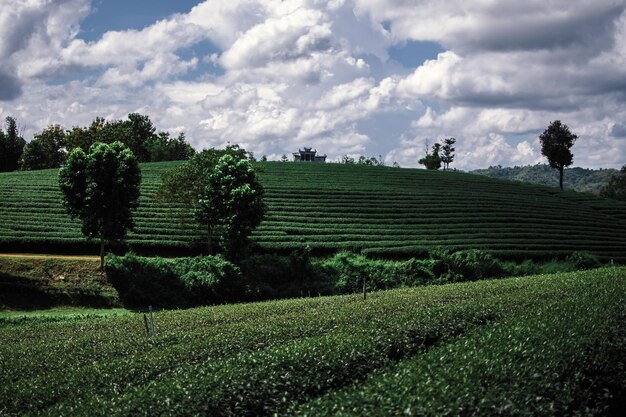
<point>564,356</point>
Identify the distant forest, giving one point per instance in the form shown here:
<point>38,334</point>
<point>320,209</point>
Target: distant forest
<point>577,179</point>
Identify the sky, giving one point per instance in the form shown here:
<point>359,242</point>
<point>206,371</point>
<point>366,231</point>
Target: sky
<point>347,77</point>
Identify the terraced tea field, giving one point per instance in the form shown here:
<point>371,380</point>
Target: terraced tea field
<point>541,345</point>
<point>376,210</point>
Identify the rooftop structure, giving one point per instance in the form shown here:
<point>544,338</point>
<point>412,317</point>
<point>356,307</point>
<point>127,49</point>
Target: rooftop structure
<point>308,155</point>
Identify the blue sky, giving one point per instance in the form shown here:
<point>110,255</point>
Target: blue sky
<point>356,77</point>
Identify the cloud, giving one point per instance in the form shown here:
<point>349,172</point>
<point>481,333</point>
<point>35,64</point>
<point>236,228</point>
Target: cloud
<point>10,86</point>
<point>318,73</point>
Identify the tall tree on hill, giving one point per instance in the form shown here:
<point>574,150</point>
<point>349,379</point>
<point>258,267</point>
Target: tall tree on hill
<point>101,188</point>
<point>231,203</point>
<point>432,160</point>
<point>447,152</point>
<point>45,150</point>
<point>556,142</point>
<point>616,187</point>
<point>11,146</point>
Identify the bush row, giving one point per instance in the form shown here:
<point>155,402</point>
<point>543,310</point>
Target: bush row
<point>562,357</point>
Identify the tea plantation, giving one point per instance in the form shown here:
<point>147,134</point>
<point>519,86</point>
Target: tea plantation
<point>375,210</point>
<point>540,345</point>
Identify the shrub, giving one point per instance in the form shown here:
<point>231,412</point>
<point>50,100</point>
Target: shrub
<point>274,276</point>
<point>583,260</point>
<point>145,281</point>
<point>466,265</point>
<point>209,279</point>
<point>178,282</point>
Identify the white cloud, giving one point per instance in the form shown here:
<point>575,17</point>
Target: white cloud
<point>317,73</point>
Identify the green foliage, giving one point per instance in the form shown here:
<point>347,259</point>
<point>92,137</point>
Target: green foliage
<point>349,271</point>
<point>563,356</point>
<point>576,179</point>
<point>231,203</point>
<point>380,211</point>
<point>447,152</point>
<point>11,146</point>
<point>616,187</point>
<point>177,282</point>
<point>583,260</point>
<point>537,341</point>
<point>210,279</point>
<point>137,133</point>
<point>185,183</point>
<point>466,265</point>
<point>101,188</point>
<point>432,160</point>
<point>556,142</point>
<point>45,150</point>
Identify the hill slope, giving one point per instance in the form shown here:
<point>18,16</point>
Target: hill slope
<point>334,206</point>
<point>576,179</point>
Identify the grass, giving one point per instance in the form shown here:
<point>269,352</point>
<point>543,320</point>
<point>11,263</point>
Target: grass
<point>309,356</point>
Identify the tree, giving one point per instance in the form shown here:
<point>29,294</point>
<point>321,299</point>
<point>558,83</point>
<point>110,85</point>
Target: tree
<point>11,146</point>
<point>232,203</point>
<point>45,150</point>
<point>556,142</point>
<point>447,152</point>
<point>432,160</point>
<point>616,187</point>
<point>137,133</point>
<point>101,188</point>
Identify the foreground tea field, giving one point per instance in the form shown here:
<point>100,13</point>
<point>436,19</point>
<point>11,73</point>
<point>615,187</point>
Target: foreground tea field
<point>540,345</point>
<point>331,207</point>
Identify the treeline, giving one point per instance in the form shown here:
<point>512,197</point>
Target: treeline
<point>50,147</point>
<point>577,179</point>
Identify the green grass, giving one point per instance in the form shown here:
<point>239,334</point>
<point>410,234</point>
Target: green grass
<point>333,206</point>
<point>310,356</point>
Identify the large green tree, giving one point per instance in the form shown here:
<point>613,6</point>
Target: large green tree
<point>185,183</point>
<point>45,150</point>
<point>232,203</point>
<point>101,188</point>
<point>556,142</point>
<point>11,146</point>
<point>616,187</point>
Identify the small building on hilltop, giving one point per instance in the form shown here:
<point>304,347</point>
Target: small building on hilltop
<point>308,155</point>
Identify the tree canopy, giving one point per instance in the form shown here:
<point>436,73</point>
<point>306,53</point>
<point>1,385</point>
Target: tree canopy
<point>432,160</point>
<point>231,203</point>
<point>46,150</point>
<point>447,152</point>
<point>101,188</point>
<point>556,142</point>
<point>616,187</point>
<point>11,146</point>
<point>138,133</point>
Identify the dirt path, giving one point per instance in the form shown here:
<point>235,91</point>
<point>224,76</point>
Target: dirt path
<point>47,256</point>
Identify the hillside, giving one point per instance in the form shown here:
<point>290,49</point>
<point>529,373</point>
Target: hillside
<point>576,179</point>
<point>537,345</point>
<point>379,210</point>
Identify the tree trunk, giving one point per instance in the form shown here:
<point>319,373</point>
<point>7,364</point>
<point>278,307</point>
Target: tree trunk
<point>102,255</point>
<point>561,178</point>
<point>209,242</point>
